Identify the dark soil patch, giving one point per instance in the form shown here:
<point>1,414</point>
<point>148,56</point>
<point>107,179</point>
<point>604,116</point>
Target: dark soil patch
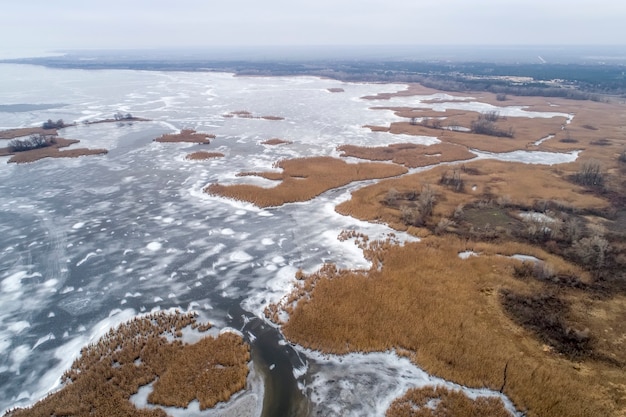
<point>544,315</point>
<point>489,217</point>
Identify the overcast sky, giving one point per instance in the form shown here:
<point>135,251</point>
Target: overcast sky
<point>115,24</point>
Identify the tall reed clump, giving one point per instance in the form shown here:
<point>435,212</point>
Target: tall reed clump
<point>305,178</point>
<point>447,312</point>
<point>102,380</point>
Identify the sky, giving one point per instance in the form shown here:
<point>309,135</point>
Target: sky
<point>134,24</point>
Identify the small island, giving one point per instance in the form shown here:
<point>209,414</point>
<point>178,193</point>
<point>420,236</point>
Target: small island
<point>276,141</point>
<point>39,146</point>
<point>149,350</point>
<point>186,136</point>
<point>203,155</point>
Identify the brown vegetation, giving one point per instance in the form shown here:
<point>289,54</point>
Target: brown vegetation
<point>441,402</point>
<point>26,131</point>
<point>51,151</point>
<point>203,155</point>
<point>501,135</point>
<point>448,313</point>
<point>408,154</point>
<point>139,352</point>
<point>304,178</point>
<point>276,141</point>
<point>519,184</point>
<point>186,135</point>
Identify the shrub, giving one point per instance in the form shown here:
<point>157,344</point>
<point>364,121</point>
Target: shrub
<point>34,142</point>
<point>485,126</point>
<point>453,180</point>
<point>590,174</point>
<point>49,124</point>
<point>622,157</point>
<point>592,251</point>
<point>391,199</point>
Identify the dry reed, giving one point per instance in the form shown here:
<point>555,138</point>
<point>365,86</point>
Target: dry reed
<point>422,298</point>
<point>276,141</point>
<point>203,155</point>
<point>522,184</point>
<point>409,155</point>
<point>442,402</point>
<point>26,131</point>
<point>303,179</point>
<point>102,379</point>
<point>186,135</point>
<point>52,151</point>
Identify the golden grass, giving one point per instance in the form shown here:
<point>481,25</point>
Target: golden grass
<point>203,155</point>
<point>303,179</point>
<point>521,184</point>
<point>26,131</point>
<point>276,141</point>
<point>107,373</point>
<point>52,151</point>
<point>186,135</point>
<point>441,402</point>
<point>408,154</point>
<point>447,313</point>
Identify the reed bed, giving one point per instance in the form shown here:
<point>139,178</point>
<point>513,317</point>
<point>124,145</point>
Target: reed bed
<point>187,136</point>
<point>276,141</point>
<point>203,155</point>
<point>52,151</point>
<point>102,379</point>
<point>519,184</point>
<point>593,123</point>
<point>303,179</point>
<point>26,131</point>
<point>442,402</point>
<point>408,154</point>
<point>447,313</point>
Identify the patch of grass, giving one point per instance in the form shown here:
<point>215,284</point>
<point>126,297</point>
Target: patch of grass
<point>142,351</point>
<point>303,179</point>
<point>442,402</point>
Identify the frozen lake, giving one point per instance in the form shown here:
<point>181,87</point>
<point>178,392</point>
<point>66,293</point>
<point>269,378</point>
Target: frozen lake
<point>90,242</point>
